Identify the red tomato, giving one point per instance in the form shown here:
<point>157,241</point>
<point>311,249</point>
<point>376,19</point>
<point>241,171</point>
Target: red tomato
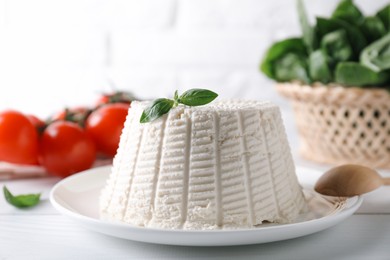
<point>18,138</point>
<point>115,97</point>
<point>65,148</point>
<point>102,100</point>
<point>35,120</point>
<point>75,114</point>
<point>105,127</point>
<point>37,123</point>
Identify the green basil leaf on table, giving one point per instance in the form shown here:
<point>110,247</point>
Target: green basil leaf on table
<point>384,15</point>
<point>355,74</point>
<point>336,46</point>
<point>373,28</point>
<point>158,108</point>
<point>347,11</point>
<point>307,30</point>
<point>292,67</point>
<point>354,35</point>
<point>318,67</point>
<point>21,201</point>
<point>197,97</point>
<point>376,56</point>
<point>277,51</point>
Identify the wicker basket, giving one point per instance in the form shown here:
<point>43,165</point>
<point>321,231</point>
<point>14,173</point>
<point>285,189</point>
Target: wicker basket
<point>341,125</point>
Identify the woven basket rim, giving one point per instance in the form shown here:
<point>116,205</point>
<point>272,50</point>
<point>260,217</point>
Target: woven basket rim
<point>334,94</point>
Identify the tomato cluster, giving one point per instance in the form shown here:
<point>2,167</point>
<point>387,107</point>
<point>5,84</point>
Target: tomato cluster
<point>67,142</point>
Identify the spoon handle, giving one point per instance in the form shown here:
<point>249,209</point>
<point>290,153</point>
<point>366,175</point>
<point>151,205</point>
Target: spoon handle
<point>386,181</point>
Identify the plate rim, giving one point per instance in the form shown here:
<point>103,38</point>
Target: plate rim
<point>86,221</point>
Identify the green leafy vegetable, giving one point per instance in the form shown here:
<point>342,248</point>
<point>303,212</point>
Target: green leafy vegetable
<point>161,106</point>
<point>292,66</point>
<point>373,28</point>
<point>336,46</point>
<point>325,26</point>
<point>348,48</point>
<point>21,201</point>
<point>384,15</point>
<point>277,51</point>
<point>307,30</point>
<point>355,74</point>
<point>377,55</point>
<point>318,67</point>
<point>347,11</point>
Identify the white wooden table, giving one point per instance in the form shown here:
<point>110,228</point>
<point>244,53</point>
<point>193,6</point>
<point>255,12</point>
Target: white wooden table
<point>42,233</point>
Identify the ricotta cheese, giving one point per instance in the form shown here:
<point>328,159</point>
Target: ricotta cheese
<point>225,165</point>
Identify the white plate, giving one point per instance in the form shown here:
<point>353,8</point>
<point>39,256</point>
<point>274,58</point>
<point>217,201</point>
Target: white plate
<point>77,197</point>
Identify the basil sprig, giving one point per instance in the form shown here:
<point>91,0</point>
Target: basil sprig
<point>21,201</point>
<point>192,97</point>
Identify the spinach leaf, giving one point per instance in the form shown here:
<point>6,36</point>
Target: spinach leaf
<point>347,11</point>
<point>318,67</point>
<point>355,37</point>
<point>355,74</point>
<point>291,67</point>
<point>336,45</point>
<point>347,48</point>
<point>277,51</point>
<point>373,28</point>
<point>376,56</point>
<point>307,30</point>
<point>384,15</point>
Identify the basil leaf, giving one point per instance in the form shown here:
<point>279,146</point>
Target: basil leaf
<point>373,28</point>
<point>355,74</point>
<point>307,30</point>
<point>354,35</point>
<point>318,67</point>
<point>336,46</point>
<point>277,51</point>
<point>176,96</point>
<point>197,97</point>
<point>347,11</point>
<point>376,56</point>
<point>384,15</point>
<point>158,108</point>
<point>21,201</point>
<point>292,67</point>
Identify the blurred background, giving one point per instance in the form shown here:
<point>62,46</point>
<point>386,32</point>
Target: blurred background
<point>56,53</point>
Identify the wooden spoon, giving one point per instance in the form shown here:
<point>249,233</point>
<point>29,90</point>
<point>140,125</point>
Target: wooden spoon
<point>349,180</point>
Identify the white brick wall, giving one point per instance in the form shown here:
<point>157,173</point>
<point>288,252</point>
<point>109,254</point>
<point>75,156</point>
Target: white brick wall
<point>141,15</point>
<point>63,52</point>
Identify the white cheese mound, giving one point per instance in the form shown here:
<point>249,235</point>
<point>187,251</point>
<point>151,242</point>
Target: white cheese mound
<point>225,165</point>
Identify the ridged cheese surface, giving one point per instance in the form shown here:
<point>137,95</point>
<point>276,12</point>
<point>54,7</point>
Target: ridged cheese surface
<point>225,165</point>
